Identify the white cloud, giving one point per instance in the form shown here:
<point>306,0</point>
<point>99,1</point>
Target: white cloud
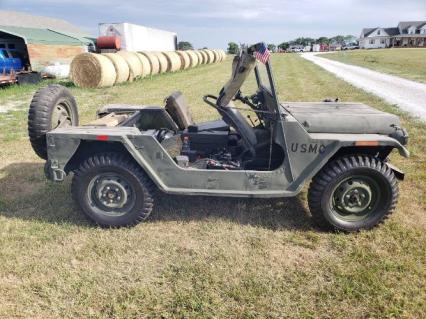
<point>215,22</point>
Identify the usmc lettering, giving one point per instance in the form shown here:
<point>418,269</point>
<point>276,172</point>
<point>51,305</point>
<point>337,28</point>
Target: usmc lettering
<point>307,148</point>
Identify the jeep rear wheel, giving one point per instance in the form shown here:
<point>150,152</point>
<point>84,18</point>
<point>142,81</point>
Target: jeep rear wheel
<point>112,190</point>
<point>353,193</point>
<point>51,107</point>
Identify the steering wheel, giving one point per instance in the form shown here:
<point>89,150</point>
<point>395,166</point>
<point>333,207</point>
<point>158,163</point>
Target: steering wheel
<point>208,99</point>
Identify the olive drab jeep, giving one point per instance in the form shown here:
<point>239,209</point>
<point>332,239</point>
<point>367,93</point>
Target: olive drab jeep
<point>131,152</point>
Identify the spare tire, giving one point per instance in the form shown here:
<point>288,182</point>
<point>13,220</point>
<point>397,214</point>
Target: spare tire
<point>51,107</point>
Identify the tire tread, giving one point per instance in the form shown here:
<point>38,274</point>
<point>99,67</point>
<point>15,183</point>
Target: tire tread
<point>124,162</point>
<point>333,170</point>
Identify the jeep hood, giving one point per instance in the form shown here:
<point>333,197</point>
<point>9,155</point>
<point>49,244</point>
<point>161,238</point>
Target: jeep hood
<point>350,118</point>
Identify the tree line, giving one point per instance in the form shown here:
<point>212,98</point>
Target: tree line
<point>234,47</point>
<point>338,39</point>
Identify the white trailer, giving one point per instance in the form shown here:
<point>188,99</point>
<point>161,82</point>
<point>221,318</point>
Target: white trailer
<point>316,48</point>
<point>139,38</point>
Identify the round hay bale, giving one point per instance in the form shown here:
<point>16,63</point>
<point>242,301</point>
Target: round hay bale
<point>146,66</point>
<point>162,61</point>
<point>90,70</point>
<point>210,56</point>
<point>193,58</point>
<point>216,56</point>
<point>223,54</point>
<point>121,68</point>
<point>184,59</point>
<point>173,61</point>
<point>220,55</point>
<point>199,56</point>
<point>153,61</point>
<point>205,56</point>
<point>135,65</point>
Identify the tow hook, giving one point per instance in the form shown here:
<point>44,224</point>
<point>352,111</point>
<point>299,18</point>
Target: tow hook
<point>53,172</point>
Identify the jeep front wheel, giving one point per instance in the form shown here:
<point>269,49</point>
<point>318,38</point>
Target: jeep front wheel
<point>112,190</point>
<point>353,193</point>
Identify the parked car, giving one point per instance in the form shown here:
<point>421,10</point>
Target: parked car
<point>350,47</point>
<point>296,49</point>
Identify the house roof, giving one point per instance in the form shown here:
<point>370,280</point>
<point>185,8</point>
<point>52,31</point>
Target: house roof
<point>392,31</point>
<point>366,31</point>
<point>401,29</point>
<point>21,19</point>
<point>404,25</point>
<point>44,36</point>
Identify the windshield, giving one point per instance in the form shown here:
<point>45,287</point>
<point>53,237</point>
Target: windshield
<point>262,76</point>
<point>241,68</point>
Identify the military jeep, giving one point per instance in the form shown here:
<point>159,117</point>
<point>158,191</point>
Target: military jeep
<point>131,152</point>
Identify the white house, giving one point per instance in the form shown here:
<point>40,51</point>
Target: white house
<point>406,34</point>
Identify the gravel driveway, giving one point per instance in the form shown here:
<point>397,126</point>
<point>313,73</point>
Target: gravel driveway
<point>408,95</point>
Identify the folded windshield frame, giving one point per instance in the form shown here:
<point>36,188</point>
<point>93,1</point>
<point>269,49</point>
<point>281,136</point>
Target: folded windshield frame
<point>265,82</point>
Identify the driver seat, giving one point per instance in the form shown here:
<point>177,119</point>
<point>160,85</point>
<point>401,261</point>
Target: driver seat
<point>180,112</point>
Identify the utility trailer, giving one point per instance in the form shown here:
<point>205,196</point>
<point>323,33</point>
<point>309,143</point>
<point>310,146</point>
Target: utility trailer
<point>140,38</point>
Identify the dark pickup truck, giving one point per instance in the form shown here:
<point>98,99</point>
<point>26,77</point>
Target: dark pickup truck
<point>12,68</point>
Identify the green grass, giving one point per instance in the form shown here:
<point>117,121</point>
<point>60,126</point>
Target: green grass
<point>201,257</point>
<point>406,63</point>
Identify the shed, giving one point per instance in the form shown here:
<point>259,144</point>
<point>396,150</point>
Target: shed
<point>40,47</point>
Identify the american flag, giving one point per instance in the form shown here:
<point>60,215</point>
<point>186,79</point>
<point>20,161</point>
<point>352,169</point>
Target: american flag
<point>262,54</point>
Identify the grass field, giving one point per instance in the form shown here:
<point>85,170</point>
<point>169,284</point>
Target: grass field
<point>203,257</point>
<point>406,63</point>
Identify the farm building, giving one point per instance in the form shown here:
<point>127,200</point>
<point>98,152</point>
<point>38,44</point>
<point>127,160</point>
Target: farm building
<point>41,41</point>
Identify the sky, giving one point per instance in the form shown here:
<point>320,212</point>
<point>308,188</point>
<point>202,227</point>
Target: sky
<point>214,23</point>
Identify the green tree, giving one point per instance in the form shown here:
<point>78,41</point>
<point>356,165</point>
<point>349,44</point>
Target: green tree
<point>350,39</point>
<point>339,39</point>
<point>232,48</point>
<point>323,40</point>
<point>303,41</point>
<point>272,47</point>
<point>185,45</point>
<point>283,46</point>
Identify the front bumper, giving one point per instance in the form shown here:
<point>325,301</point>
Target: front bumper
<point>401,135</point>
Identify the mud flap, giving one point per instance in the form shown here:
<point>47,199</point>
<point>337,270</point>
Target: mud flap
<point>399,174</point>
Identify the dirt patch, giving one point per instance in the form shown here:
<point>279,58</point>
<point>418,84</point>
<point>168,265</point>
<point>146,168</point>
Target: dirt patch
<point>11,106</point>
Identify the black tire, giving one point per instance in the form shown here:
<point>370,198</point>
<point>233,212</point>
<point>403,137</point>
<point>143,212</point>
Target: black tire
<point>48,101</point>
<point>101,173</point>
<point>349,184</point>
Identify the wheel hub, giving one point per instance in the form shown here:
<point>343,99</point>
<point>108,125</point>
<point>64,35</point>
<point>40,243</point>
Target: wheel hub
<point>110,192</point>
<point>61,116</point>
<point>353,196</point>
